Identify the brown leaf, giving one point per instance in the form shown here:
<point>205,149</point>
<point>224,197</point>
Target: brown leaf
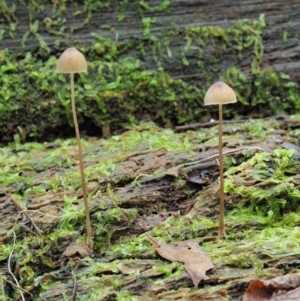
<point>281,288</point>
<point>195,259</point>
<point>77,249</point>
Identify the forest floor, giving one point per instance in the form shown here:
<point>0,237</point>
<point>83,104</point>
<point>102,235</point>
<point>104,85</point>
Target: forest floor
<point>152,185</point>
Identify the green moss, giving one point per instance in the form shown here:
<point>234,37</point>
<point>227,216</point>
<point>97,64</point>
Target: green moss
<point>35,100</point>
<point>271,171</point>
<point>8,16</point>
<point>262,216</point>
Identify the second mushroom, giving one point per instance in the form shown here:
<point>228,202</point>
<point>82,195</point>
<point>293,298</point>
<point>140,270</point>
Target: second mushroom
<point>220,93</point>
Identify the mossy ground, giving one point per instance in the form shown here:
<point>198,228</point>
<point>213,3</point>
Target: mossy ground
<point>154,181</point>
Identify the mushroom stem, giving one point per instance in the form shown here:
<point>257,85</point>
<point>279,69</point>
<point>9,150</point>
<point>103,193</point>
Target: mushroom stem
<point>87,213</point>
<point>221,218</point>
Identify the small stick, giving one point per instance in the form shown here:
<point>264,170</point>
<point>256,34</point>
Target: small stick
<point>9,261</point>
<point>73,276</point>
<point>212,123</point>
<point>27,217</point>
<point>17,287</point>
<point>225,153</point>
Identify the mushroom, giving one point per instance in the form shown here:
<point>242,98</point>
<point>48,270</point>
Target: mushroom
<point>72,61</point>
<point>220,93</point>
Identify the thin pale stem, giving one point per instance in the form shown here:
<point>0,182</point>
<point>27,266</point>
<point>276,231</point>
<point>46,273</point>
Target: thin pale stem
<point>87,213</point>
<point>221,218</point>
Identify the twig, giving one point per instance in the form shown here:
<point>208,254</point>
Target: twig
<point>154,242</point>
<point>79,232</point>
<point>110,194</point>
<point>12,250</point>
<point>75,286</point>
<point>9,260</point>
<point>2,287</point>
<point>36,284</point>
<point>73,276</point>
<point>27,218</point>
<point>212,123</point>
<point>225,153</point>
<point>20,288</point>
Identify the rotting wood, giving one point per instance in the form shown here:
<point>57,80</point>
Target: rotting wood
<point>144,275</point>
<point>280,55</point>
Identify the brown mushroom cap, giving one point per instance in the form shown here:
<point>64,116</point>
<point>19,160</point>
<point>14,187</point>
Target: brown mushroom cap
<point>71,61</point>
<point>219,93</point>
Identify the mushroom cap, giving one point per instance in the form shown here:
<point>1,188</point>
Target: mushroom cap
<point>219,93</point>
<point>71,61</point>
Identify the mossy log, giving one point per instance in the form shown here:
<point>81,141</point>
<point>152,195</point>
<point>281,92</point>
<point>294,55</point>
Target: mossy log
<point>155,183</point>
<point>146,61</point>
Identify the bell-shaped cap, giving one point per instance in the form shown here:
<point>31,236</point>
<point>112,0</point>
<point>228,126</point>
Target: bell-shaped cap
<point>71,61</point>
<point>219,93</point>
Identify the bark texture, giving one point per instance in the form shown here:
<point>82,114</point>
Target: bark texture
<point>280,37</point>
<point>147,61</point>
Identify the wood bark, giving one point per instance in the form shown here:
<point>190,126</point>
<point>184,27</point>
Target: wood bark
<point>280,37</point>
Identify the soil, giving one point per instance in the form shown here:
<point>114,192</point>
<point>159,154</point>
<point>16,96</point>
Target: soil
<point>156,182</point>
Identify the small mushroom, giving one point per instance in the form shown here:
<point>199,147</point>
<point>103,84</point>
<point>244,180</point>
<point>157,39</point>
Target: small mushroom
<point>220,93</point>
<point>72,61</point>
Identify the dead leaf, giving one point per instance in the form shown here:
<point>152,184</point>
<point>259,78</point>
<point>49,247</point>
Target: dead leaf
<point>77,249</point>
<point>283,288</point>
<point>196,261</point>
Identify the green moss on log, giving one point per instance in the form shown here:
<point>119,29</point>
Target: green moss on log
<point>119,90</point>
